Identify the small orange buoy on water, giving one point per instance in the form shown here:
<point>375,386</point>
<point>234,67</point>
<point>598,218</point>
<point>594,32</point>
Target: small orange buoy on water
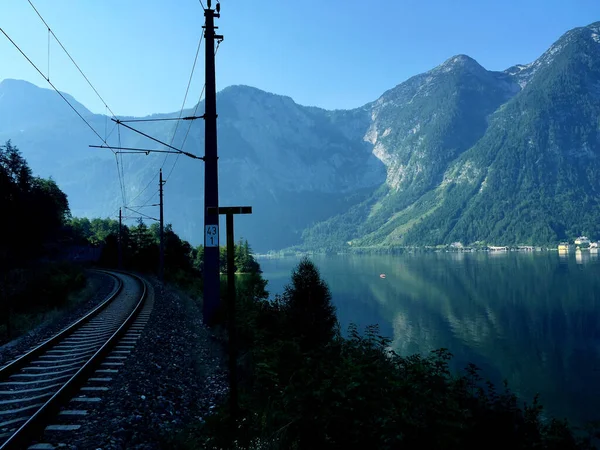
<point>382,275</point>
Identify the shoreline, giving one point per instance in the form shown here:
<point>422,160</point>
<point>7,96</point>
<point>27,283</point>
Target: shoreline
<point>286,253</point>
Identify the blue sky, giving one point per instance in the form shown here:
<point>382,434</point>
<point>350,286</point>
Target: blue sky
<point>332,53</point>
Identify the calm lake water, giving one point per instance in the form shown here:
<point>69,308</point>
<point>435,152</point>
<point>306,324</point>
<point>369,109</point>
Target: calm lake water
<point>530,318</point>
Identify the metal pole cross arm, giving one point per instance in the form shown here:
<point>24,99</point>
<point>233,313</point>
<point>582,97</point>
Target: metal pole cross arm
<point>230,210</point>
<point>137,150</point>
<point>145,135</point>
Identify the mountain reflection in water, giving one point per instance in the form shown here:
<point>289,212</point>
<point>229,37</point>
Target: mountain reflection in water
<point>532,318</point>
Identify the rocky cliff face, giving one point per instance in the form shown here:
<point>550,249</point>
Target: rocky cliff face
<point>472,155</point>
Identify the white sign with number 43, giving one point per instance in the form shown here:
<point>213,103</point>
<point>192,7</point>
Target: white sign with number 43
<point>211,236</point>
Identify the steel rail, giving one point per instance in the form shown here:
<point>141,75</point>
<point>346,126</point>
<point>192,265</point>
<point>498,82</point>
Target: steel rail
<point>35,425</point>
<point>22,361</point>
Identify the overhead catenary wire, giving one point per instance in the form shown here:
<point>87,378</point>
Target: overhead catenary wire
<point>70,57</point>
<point>175,150</point>
<point>186,133</point>
<point>111,131</point>
<point>122,174</point>
<point>138,150</point>
<point>48,54</point>
<point>152,180</point>
<point>178,119</point>
<point>141,214</point>
<point>121,184</point>
<point>161,119</point>
<point>190,125</point>
<point>150,199</point>
<point>120,170</point>
<point>54,87</point>
<point>187,90</point>
<point>146,135</point>
<point>144,190</point>
<point>51,33</point>
<point>120,180</point>
<point>114,213</point>
<point>119,161</point>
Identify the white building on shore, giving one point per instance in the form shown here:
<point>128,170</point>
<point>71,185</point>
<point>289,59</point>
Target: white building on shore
<point>582,240</point>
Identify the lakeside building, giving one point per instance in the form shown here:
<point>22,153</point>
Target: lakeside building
<point>582,240</point>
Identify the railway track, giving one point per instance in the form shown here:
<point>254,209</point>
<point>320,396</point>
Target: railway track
<point>67,368</point>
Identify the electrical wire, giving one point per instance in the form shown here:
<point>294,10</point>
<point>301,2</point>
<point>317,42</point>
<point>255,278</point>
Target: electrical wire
<point>120,180</point>
<point>150,199</point>
<point>144,190</point>
<point>141,214</point>
<point>122,174</point>
<point>111,131</point>
<point>54,87</point>
<point>186,134</point>
<point>120,170</point>
<point>190,126</point>
<point>185,96</point>
<point>180,114</point>
<point>159,120</point>
<point>70,57</point>
<point>115,213</point>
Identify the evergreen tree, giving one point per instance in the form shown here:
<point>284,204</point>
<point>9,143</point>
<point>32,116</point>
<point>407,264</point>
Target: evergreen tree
<point>198,261</point>
<point>35,212</point>
<point>143,249</point>
<point>310,312</point>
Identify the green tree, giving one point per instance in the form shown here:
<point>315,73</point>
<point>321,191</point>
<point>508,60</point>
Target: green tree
<point>178,252</point>
<point>308,307</point>
<point>244,260</point>
<point>198,260</point>
<point>142,249</point>
<point>35,213</point>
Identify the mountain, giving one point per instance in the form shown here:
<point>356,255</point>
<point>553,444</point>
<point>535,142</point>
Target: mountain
<point>458,153</point>
<point>295,165</point>
<point>517,162</point>
<point>535,175</point>
<point>21,103</point>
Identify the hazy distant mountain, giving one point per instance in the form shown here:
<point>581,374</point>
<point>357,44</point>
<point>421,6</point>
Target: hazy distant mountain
<point>295,165</point>
<point>455,154</point>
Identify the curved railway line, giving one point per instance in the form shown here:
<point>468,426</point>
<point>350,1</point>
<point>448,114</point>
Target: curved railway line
<point>70,368</point>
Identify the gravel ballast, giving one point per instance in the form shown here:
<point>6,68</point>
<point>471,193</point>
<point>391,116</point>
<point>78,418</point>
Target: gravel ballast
<point>172,379</point>
<point>97,289</point>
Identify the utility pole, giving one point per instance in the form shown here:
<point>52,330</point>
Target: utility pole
<point>233,387</point>
<point>120,239</point>
<point>211,172</point>
<point>229,212</point>
<point>161,265</point>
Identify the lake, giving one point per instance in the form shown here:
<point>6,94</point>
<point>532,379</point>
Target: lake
<point>531,318</point>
